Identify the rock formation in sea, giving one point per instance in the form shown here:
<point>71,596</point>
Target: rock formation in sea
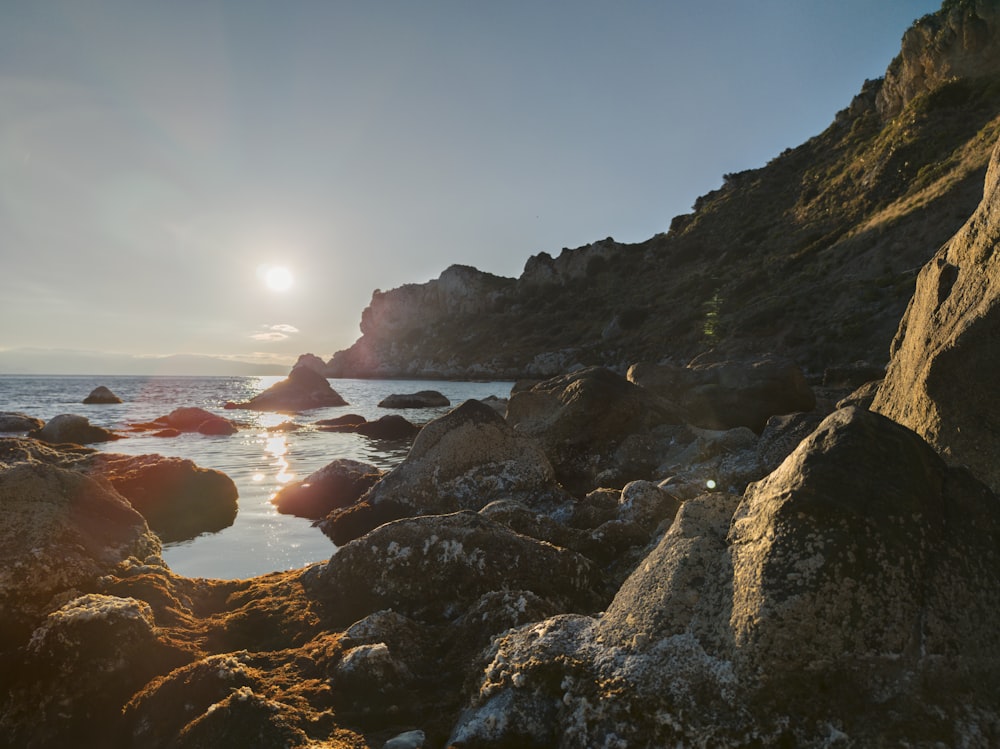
<point>303,389</point>
<point>593,569</point>
<point>74,429</point>
<point>101,394</point>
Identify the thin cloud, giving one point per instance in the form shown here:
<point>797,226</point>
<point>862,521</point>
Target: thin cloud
<point>274,333</point>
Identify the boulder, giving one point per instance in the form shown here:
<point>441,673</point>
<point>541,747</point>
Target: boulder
<point>101,394</point>
<point>580,419</point>
<point>61,532</point>
<point>12,421</point>
<point>846,598</point>
<point>462,460</point>
<point>347,420</point>
<point>337,484</point>
<point>724,395</point>
<point>303,389</point>
<point>192,419</point>
<point>390,427</point>
<point>178,499</point>
<point>93,653</point>
<point>941,378</point>
<point>422,399</point>
<point>72,428</point>
<point>431,568</point>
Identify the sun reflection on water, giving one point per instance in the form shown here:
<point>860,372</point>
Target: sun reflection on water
<point>277,447</point>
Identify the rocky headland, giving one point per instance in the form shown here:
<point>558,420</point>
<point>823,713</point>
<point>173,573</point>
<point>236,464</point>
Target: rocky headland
<point>725,552</point>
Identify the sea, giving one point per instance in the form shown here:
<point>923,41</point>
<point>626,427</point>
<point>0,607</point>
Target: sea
<point>258,458</point>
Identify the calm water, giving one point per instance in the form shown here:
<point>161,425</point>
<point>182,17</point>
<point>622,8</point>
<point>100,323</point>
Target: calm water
<point>257,460</point>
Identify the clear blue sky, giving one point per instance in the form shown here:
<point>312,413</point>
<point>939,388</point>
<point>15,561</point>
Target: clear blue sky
<point>155,155</point>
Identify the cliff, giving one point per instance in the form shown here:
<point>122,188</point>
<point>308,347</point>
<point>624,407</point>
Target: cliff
<point>813,256</point>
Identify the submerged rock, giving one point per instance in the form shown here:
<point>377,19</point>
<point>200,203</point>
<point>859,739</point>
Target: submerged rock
<point>101,394</point>
<point>189,419</point>
<point>422,399</point>
<point>74,429</point>
<point>303,389</point>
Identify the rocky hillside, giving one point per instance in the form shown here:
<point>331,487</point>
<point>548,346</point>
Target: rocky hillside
<point>813,256</point>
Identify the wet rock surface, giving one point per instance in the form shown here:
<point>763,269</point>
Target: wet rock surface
<point>336,485</point>
<point>11,421</point>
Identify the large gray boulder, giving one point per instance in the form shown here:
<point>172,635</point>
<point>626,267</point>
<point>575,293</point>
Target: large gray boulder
<point>421,399</point>
<point>433,567</point>
<point>581,419</point>
<point>942,376</point>
<point>846,597</point>
<point>460,461</point>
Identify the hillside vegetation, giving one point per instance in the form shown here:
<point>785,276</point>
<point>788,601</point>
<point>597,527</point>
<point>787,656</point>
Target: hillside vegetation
<point>813,256</point>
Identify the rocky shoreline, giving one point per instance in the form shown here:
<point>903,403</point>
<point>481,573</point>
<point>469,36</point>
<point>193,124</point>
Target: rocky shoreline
<point>717,557</point>
<point>718,554</point>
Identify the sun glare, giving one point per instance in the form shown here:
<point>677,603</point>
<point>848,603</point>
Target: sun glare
<point>278,278</point>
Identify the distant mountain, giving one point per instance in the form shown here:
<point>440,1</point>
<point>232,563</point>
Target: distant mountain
<point>65,361</point>
<point>813,256</point>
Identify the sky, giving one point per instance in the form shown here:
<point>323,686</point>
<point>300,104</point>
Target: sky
<point>160,161</point>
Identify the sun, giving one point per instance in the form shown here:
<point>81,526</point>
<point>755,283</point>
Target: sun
<point>277,277</point>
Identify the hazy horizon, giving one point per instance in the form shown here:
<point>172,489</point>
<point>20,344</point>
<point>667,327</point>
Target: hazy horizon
<point>233,180</point>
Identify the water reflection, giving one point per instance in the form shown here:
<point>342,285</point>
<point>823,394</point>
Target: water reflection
<point>277,447</point>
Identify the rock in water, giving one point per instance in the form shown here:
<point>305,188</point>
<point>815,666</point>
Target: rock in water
<point>335,485</point>
<point>12,421</point>
<point>101,394</point>
<point>462,460</point>
<point>74,429</point>
<point>304,388</point>
<point>422,399</point>
<point>61,532</point>
<point>178,499</point>
<point>942,376</point>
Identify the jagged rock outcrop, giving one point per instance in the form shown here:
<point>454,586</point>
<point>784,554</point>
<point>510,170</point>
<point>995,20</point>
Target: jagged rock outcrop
<point>845,217</point>
<point>102,395</point>
<point>960,41</point>
<point>862,538</point>
<point>303,389</point>
<point>941,379</point>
